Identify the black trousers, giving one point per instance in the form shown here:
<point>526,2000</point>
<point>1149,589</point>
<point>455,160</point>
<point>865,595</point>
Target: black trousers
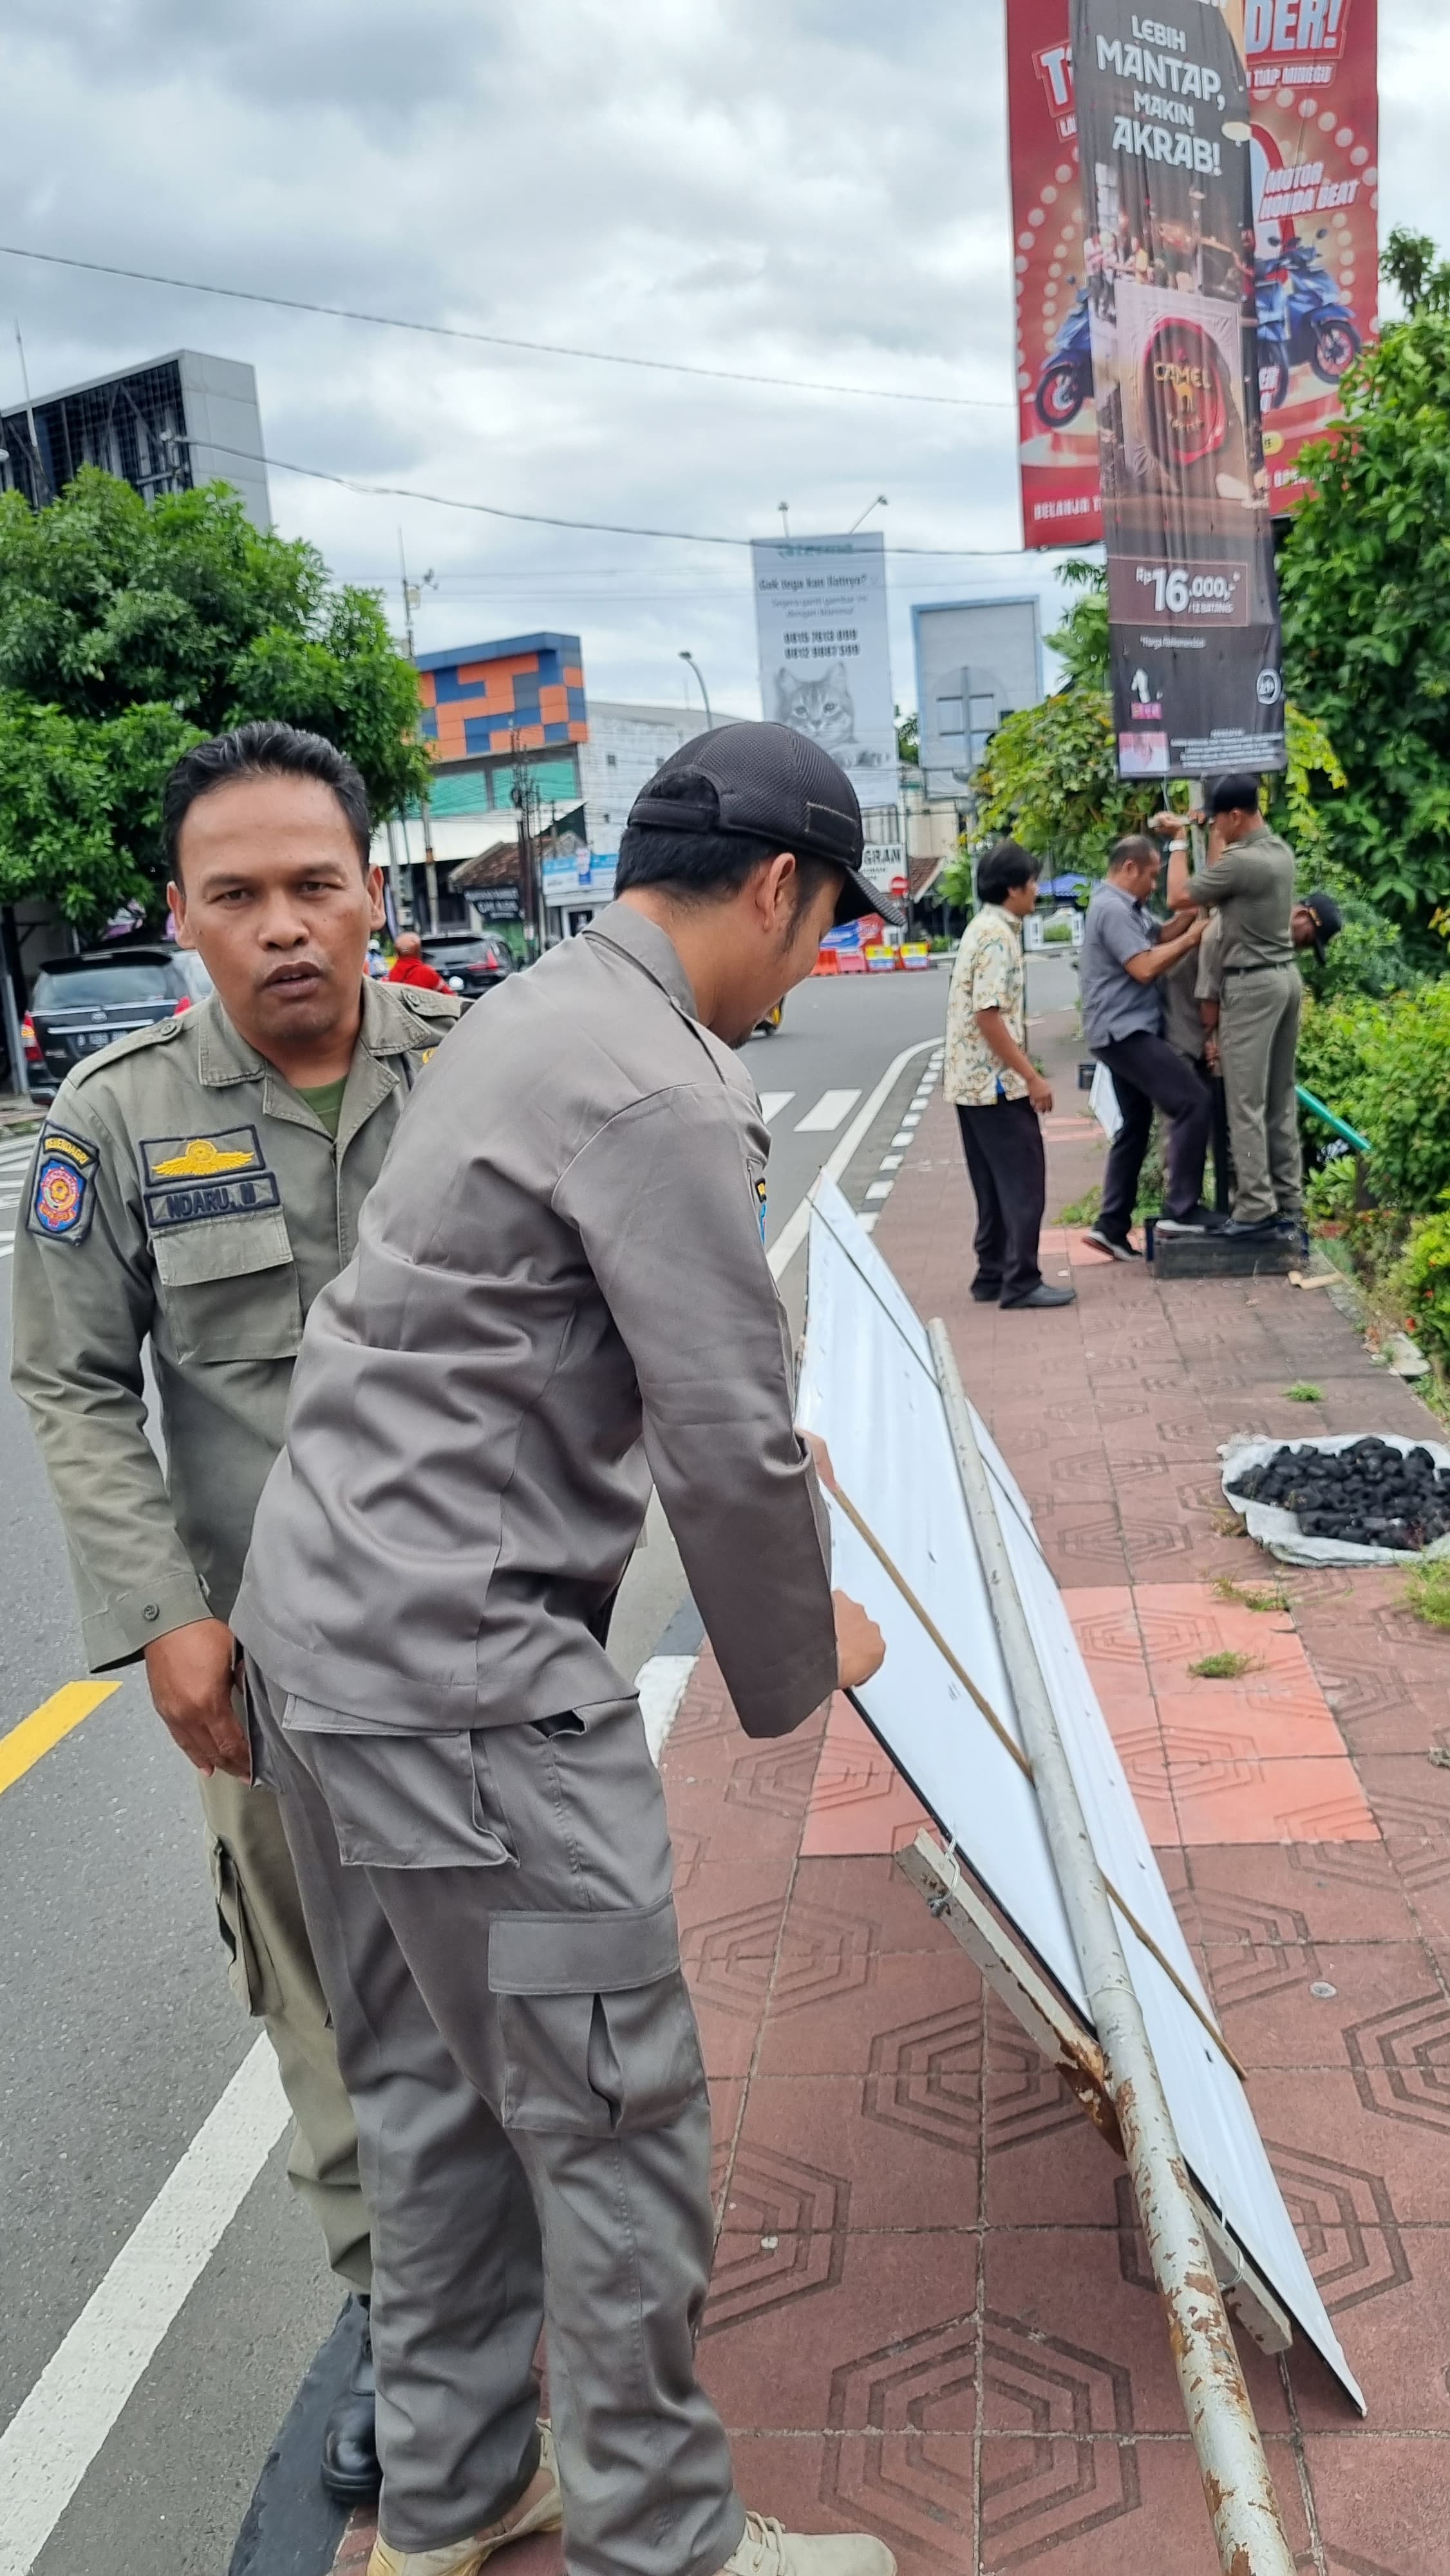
<point>1008,1171</point>
<point>1148,1075</point>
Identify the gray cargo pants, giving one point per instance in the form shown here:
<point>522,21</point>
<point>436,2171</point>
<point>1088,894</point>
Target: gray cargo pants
<point>1258,1039</point>
<point>493,1920</point>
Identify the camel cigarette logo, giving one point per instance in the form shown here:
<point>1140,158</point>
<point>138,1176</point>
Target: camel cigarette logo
<point>1187,401</point>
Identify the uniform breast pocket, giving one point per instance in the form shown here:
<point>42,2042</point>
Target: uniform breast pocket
<point>229,1288</point>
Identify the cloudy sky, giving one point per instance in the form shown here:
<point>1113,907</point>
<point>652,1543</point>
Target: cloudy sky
<point>802,188</point>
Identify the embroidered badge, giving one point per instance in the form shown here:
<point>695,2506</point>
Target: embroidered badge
<point>63,1200</point>
<point>202,1158</point>
<point>760,1195</point>
<point>191,1177</point>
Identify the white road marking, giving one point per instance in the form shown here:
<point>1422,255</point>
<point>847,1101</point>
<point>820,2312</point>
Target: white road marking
<point>661,1687</point>
<point>50,2442</point>
<point>793,1233</point>
<point>879,1190</point>
<point>827,1114</point>
<point>772,1103</point>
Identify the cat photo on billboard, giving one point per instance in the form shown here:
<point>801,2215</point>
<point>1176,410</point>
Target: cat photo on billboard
<point>825,712</point>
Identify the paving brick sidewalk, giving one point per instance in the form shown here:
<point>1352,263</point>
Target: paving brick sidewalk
<point>931,2312</point>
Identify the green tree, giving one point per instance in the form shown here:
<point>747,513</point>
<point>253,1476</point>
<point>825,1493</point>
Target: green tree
<point>1365,578</point>
<point>908,739</point>
<point>1050,776</point>
<point>128,632</point>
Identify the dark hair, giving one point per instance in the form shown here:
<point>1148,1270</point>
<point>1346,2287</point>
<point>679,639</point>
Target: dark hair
<point>707,867</point>
<point>1236,794</point>
<point>263,751</point>
<point>1002,867</point>
<point>1131,851</point>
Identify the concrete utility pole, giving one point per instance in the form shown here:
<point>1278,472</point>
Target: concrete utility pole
<point>687,656</point>
<point>1237,2486</point>
<point>412,595</point>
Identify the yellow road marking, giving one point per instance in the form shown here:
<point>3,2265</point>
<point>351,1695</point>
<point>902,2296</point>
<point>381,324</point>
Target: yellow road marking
<point>46,1725</point>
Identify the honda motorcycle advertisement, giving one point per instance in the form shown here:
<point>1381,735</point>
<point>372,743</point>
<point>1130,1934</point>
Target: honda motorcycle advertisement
<point>1193,611</point>
<point>1313,119</point>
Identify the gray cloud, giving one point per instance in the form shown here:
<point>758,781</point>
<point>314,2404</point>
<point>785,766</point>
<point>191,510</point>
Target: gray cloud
<point>803,187</point>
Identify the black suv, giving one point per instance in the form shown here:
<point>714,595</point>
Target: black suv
<point>469,961</point>
<point>81,1003</point>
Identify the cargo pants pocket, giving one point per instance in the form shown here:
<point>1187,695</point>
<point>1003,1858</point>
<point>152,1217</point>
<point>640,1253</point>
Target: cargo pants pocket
<point>597,2031</point>
<point>247,1965</point>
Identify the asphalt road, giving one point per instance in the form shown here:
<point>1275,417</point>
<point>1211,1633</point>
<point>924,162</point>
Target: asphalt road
<point>117,2030</point>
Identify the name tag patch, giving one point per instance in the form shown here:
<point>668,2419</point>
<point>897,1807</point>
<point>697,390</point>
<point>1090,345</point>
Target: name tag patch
<point>62,1202</point>
<point>190,1177</point>
<point>183,1205</point>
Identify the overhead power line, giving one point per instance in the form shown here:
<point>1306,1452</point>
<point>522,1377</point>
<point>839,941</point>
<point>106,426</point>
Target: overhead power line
<point>499,340</point>
<point>546,519</point>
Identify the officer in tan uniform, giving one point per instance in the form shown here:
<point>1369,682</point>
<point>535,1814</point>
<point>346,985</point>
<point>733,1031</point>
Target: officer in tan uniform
<point>560,1294</point>
<point>196,1185</point>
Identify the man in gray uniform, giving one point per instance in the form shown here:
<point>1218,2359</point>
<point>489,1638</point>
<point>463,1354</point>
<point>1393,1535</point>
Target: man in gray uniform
<point>1249,879</point>
<point>560,1292</point>
<point>195,1185</point>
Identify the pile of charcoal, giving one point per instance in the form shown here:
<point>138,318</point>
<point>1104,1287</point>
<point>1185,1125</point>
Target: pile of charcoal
<point>1370,1494</point>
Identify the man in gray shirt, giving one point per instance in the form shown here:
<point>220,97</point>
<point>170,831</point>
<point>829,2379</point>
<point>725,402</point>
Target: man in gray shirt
<point>560,1293</point>
<point>1125,955</point>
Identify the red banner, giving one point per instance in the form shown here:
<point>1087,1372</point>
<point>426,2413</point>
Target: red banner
<point>1314,114</point>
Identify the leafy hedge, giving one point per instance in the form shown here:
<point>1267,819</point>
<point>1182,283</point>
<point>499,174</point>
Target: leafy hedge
<point>1384,1064</point>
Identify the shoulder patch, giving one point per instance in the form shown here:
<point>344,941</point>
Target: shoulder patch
<point>429,1005</point>
<point>156,1033</point>
<point>62,1195</point>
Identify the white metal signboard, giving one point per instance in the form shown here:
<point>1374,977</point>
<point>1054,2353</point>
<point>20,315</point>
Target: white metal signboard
<point>869,1387</point>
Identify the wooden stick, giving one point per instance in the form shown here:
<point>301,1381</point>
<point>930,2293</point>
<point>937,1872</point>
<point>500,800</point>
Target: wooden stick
<point>1008,1741</point>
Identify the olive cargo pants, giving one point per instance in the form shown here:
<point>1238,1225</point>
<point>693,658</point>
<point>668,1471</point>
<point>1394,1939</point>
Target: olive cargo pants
<point>493,1918</point>
<point>273,1972</point>
<point>1258,1041</point>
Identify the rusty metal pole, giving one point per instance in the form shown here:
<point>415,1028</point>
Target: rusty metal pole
<point>1236,2482</point>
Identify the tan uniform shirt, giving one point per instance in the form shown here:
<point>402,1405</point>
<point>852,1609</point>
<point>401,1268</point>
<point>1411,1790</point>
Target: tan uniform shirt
<point>1253,885</point>
<point>1196,978</point>
<point>560,1289</point>
<point>182,1190</point>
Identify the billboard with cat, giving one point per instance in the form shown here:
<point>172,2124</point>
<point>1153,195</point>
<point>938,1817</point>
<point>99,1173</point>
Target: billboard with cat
<point>825,651</point>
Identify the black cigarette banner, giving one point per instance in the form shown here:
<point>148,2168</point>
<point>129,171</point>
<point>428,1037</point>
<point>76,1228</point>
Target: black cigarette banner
<point>1168,219</point>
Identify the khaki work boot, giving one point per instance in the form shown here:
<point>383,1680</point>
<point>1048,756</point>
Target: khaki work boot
<point>765,2550</point>
<point>539,2508</point>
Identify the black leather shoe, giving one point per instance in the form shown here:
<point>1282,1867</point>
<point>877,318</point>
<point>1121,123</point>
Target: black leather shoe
<point>1261,1230</point>
<point>350,2468</point>
<point>1041,1295</point>
<point>983,1294</point>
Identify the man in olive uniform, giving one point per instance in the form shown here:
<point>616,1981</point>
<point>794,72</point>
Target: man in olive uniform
<point>1249,881</point>
<point>560,1293</point>
<point>197,1184</point>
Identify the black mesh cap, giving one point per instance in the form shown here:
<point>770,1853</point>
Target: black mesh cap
<point>1327,918</point>
<point>774,784</point>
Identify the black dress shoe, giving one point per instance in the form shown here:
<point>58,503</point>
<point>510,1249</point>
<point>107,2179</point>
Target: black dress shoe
<point>1041,1295</point>
<point>984,1294</point>
<point>350,2468</point>
<point>1259,1230</point>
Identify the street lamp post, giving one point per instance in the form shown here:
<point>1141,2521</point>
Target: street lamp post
<point>687,656</point>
